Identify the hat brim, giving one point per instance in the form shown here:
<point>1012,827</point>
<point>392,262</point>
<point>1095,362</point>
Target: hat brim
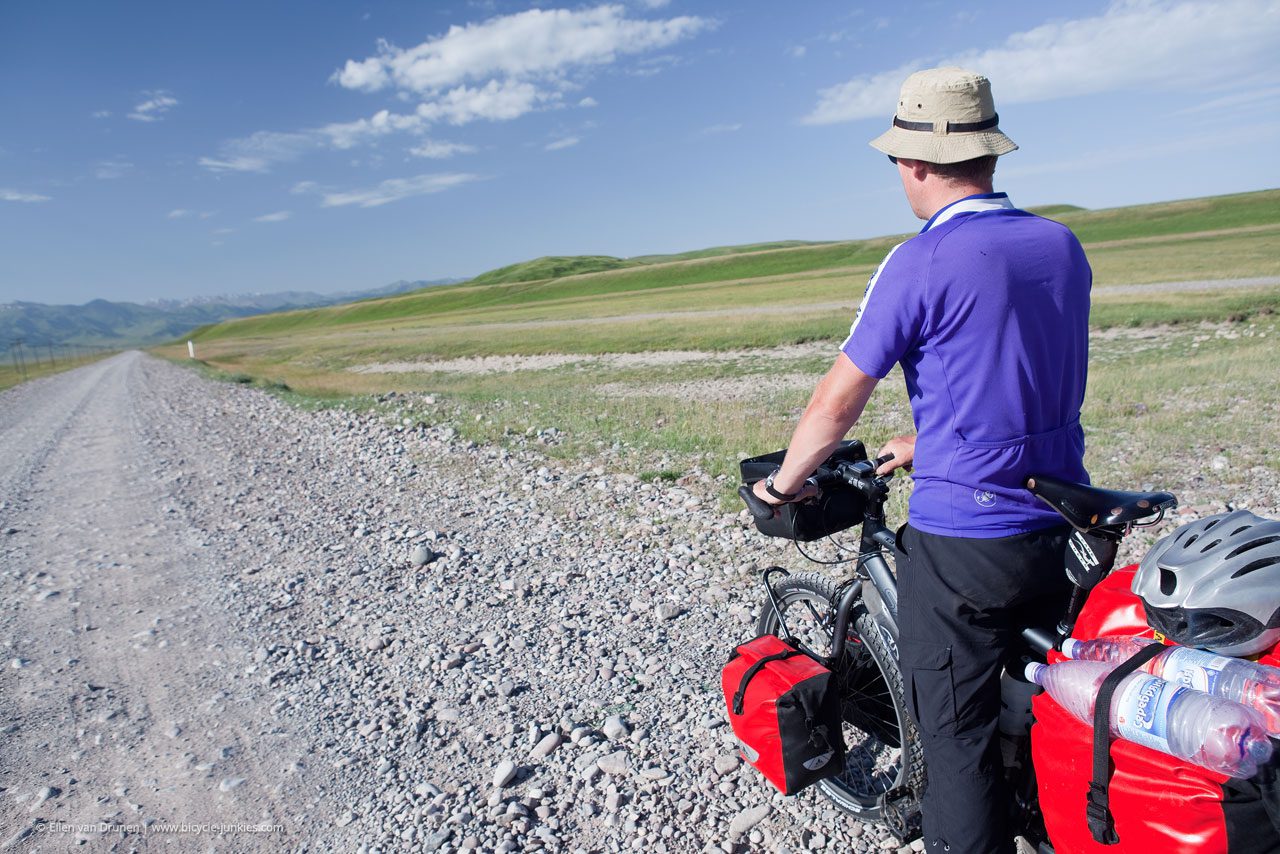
<point>939,148</point>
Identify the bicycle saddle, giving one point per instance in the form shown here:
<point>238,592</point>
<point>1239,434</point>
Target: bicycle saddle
<point>1089,507</point>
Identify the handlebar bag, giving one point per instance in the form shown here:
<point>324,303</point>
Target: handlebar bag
<point>1158,802</point>
<point>785,711</point>
<point>839,507</point>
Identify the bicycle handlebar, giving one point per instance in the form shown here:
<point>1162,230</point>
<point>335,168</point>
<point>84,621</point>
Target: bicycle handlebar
<point>857,474</point>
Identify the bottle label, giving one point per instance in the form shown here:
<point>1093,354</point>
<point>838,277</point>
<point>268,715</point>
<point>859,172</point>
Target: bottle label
<point>1194,668</point>
<point>1142,711</point>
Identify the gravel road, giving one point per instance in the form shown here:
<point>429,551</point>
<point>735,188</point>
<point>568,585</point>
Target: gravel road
<point>342,631</point>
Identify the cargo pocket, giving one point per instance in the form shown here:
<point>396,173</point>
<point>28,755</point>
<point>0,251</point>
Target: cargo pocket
<point>931,693</point>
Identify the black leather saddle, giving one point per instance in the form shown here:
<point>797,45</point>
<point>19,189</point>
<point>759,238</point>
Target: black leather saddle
<point>1088,507</point>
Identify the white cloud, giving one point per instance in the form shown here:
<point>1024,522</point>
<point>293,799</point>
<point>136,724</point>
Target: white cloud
<point>563,142</point>
<point>655,4</point>
<point>224,231</point>
<point>797,51</point>
<point>180,213</point>
<point>398,188</point>
<point>152,109</point>
<point>495,101</point>
<point>588,102</point>
<point>259,152</point>
<point>278,216</point>
<point>527,44</point>
<point>101,114</point>
<point>504,67</point>
<point>345,135</point>
<point>437,149</point>
<point>109,169</point>
<point>715,129</point>
<point>1158,44</point>
<point>15,196</point>
<point>495,70</point>
<point>304,187</point>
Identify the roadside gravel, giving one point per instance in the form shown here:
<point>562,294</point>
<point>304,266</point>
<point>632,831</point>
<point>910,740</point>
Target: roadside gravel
<point>364,630</point>
<point>358,632</point>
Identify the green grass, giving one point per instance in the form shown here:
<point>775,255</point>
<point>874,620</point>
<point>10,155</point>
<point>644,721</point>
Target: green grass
<point>550,267</point>
<point>1181,217</point>
<point>1153,394</point>
<point>1219,237</point>
<point>11,376</point>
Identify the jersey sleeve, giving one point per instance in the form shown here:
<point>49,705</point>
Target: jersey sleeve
<point>891,316</point>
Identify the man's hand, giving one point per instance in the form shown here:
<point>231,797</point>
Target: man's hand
<point>903,449</point>
<point>807,491</point>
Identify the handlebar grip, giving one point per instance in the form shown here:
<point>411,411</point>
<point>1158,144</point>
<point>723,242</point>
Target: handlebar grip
<point>882,460</point>
<point>762,510</point>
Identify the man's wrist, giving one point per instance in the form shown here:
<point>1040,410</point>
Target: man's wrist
<point>772,489</point>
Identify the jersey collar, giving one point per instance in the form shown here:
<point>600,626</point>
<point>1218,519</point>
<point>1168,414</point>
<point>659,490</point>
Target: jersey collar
<point>970,204</point>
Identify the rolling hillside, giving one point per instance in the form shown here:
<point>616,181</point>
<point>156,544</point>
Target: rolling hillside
<point>1221,237</point>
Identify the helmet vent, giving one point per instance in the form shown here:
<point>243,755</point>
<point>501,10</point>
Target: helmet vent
<point>1209,546</point>
<point>1168,582</point>
<point>1211,523</point>
<point>1190,540</point>
<point>1261,541</point>
<point>1241,529</point>
<point>1254,566</point>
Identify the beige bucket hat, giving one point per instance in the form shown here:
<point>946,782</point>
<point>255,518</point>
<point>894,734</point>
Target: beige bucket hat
<point>945,115</point>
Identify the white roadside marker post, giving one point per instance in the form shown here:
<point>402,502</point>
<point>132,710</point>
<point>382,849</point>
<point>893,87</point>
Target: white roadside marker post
<point>191,349</point>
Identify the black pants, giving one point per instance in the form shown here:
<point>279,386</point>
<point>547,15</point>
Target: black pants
<point>962,603</point>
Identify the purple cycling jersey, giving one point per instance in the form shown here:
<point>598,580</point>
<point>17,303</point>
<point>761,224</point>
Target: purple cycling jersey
<point>987,311</point>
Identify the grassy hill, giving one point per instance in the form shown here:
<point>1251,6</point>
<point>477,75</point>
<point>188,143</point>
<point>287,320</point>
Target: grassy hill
<point>675,359</point>
<point>1232,236</point>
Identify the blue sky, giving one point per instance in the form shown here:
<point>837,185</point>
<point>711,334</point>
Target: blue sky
<point>155,150</point>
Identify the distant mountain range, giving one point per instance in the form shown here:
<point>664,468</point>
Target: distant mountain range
<point>125,324</point>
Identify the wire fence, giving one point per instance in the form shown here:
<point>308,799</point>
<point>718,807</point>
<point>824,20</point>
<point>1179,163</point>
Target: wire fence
<point>27,357</point>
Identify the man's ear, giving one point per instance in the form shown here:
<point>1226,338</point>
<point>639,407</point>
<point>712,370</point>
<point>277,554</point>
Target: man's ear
<point>919,168</point>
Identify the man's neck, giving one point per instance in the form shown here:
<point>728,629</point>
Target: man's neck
<point>946,194</point>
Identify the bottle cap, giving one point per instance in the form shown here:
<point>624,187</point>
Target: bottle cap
<point>1069,647</point>
<point>1034,670</point>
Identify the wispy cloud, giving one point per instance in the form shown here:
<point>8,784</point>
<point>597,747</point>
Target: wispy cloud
<point>106,170</point>
<point>259,152</point>
<point>1157,44</point>
<point>155,104</point>
<point>588,102</point>
<point>495,70</point>
<point>1255,101</point>
<point>16,196</point>
<point>797,51</point>
<point>278,216</point>
<point>396,189</point>
<point>438,149</point>
<point>180,213</point>
<point>717,129</point>
<point>563,142</point>
<point>101,114</point>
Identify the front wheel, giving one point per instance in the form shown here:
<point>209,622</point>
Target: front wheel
<point>882,747</point>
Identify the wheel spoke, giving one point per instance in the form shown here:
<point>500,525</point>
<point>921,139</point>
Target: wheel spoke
<point>872,715</point>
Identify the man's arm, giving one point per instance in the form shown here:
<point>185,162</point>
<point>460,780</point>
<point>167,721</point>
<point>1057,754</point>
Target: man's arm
<point>832,411</point>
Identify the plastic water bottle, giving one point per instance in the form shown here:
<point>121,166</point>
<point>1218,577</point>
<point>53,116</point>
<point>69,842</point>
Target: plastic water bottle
<point>1217,734</point>
<point>1246,682</point>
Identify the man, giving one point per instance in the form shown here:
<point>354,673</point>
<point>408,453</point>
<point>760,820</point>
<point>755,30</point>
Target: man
<point>986,310</point>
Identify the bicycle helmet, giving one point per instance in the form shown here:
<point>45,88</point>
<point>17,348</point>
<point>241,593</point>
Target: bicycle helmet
<point>1215,584</point>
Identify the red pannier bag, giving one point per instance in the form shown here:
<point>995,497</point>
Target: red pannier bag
<point>1159,803</point>
<point>785,711</point>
